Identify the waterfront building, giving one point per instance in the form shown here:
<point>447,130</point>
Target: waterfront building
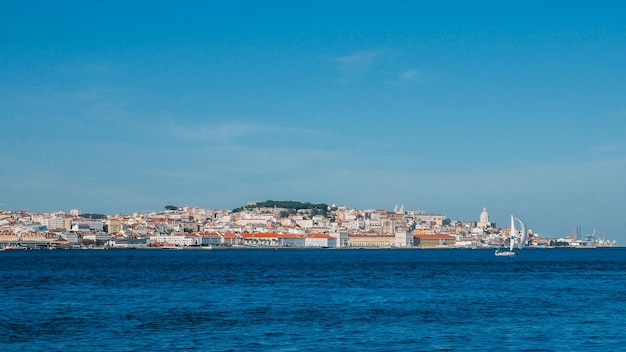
<point>211,239</point>
<point>174,240</point>
<point>342,238</point>
<point>60,243</point>
<point>318,240</point>
<point>99,238</point>
<point>466,242</point>
<point>35,237</point>
<point>403,237</point>
<point>371,240</point>
<point>435,240</point>
<point>268,239</point>
<point>8,237</point>
<point>230,239</point>
<point>128,242</point>
<point>73,238</point>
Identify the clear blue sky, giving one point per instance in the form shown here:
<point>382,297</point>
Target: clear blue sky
<point>120,106</point>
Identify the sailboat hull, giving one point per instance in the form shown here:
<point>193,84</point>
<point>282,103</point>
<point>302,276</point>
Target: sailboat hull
<point>505,254</point>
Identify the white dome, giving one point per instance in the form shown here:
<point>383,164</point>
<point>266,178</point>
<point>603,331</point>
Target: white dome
<point>484,216</point>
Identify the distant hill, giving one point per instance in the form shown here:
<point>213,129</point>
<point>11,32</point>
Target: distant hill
<point>319,208</point>
<point>94,216</point>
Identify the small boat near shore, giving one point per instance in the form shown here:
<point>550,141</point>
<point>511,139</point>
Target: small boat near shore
<point>500,253</point>
<point>522,242</point>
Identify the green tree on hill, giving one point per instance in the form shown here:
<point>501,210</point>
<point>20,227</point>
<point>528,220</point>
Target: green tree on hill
<point>316,209</point>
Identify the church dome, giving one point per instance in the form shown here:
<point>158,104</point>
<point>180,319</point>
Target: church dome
<point>484,216</point>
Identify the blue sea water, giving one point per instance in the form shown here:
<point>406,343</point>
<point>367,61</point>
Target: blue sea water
<point>297,300</point>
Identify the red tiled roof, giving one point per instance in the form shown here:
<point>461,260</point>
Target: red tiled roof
<point>318,235</point>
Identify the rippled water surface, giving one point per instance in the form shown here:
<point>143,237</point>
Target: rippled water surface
<point>550,299</point>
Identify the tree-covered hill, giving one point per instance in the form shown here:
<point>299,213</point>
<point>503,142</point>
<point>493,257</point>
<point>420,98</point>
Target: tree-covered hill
<point>319,208</point>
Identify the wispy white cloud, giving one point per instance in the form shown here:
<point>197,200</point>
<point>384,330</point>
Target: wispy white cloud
<point>224,131</point>
<point>359,61</point>
<point>366,62</point>
<point>408,75</point>
<point>607,150</point>
<point>71,105</point>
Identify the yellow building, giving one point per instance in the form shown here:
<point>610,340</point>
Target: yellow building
<point>8,237</point>
<point>435,240</point>
<point>113,226</point>
<point>371,240</point>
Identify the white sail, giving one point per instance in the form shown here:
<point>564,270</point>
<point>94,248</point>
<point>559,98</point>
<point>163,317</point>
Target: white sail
<point>512,234</point>
<point>522,241</point>
<point>521,244</point>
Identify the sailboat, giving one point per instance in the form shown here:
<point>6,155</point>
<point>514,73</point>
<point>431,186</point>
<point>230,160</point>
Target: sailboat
<point>520,245</point>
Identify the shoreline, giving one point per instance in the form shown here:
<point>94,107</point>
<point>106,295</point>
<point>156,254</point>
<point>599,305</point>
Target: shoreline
<point>26,248</point>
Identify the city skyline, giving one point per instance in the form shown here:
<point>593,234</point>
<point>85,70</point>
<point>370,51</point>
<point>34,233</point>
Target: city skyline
<point>482,220</point>
<point>449,108</point>
<point>275,224</point>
